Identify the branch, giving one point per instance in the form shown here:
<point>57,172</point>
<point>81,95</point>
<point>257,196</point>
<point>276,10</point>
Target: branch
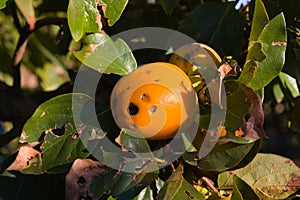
<point>22,43</point>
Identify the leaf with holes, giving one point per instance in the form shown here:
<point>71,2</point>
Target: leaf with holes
<point>266,55</point>
<point>121,184</point>
<point>113,9</point>
<point>104,55</point>
<point>52,125</point>
<point>242,101</point>
<point>270,176</point>
<point>83,17</point>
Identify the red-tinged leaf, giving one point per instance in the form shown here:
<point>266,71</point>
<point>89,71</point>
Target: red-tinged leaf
<point>242,101</point>
<point>80,177</point>
<point>27,157</point>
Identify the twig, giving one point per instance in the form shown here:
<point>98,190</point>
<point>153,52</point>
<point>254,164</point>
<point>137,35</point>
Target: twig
<point>210,184</point>
<point>22,43</point>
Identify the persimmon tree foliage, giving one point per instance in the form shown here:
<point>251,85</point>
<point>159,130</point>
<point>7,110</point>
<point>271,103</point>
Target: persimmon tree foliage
<point>46,44</point>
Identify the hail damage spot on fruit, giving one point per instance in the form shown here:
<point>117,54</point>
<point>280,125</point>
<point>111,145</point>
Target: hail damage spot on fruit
<point>133,109</point>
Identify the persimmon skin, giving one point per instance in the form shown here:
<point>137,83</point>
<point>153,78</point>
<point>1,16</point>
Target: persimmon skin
<point>155,100</point>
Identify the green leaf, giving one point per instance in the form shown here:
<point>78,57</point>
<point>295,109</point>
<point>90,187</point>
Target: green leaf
<point>242,101</point>
<point>83,17</point>
<point>237,104</point>
<point>290,83</point>
<point>3,4</point>
<point>177,188</point>
<point>225,156</point>
<point>242,191</point>
<point>76,18</point>
<point>134,142</point>
<point>278,94</point>
<point>113,9</point>
<point>208,23</point>
<point>102,54</point>
<point>53,126</point>
<point>259,21</point>
<point>104,183</point>
<point>270,176</point>
<point>266,55</point>
<point>52,76</point>
<point>130,185</point>
<point>168,5</point>
<point>27,10</point>
<point>121,185</point>
<point>146,193</point>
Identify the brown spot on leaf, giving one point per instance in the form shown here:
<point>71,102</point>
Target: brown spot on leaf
<point>278,43</point>
<point>92,47</point>
<point>226,70</point>
<point>256,120</point>
<point>24,135</point>
<point>27,156</point>
<point>75,135</point>
<point>80,176</point>
<point>294,182</point>
<point>238,133</point>
<point>43,114</point>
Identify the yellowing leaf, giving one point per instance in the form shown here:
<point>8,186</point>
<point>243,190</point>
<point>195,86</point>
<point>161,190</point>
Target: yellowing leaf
<point>270,176</point>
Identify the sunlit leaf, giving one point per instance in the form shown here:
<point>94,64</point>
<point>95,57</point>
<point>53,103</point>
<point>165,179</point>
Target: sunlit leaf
<point>102,54</point>
<point>113,9</point>
<point>83,17</point>
<point>270,176</point>
<point>278,94</point>
<point>3,4</point>
<point>52,76</point>
<point>52,124</point>
<point>290,83</point>
<point>260,19</point>
<point>266,55</point>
